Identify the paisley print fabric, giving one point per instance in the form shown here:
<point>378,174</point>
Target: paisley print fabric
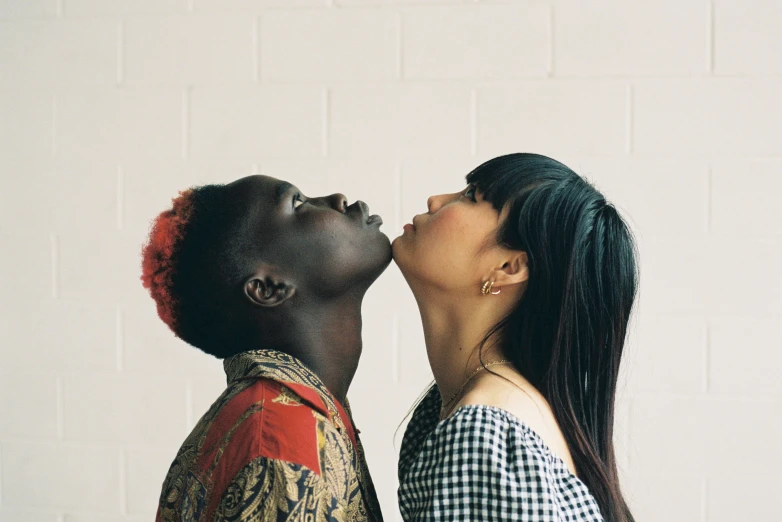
<point>275,446</point>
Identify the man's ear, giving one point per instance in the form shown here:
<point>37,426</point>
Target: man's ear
<point>514,270</point>
<point>267,289</point>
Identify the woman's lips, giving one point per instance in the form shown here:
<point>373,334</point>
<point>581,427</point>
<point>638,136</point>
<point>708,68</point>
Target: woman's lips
<point>411,226</point>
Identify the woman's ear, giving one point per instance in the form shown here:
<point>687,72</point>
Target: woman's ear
<point>514,270</point>
<point>267,290</point>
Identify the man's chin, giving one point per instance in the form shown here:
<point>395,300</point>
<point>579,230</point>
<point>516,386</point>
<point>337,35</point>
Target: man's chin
<point>387,257</point>
<point>378,258</point>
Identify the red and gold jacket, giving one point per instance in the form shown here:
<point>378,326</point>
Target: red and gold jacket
<point>275,446</point>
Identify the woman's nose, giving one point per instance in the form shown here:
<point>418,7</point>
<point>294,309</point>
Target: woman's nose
<point>338,202</point>
<point>435,202</point>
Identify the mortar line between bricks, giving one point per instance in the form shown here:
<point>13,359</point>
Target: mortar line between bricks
<point>474,121</point>
<point>629,99</point>
<point>119,338</point>
<point>627,439</point>
<point>189,405</point>
<point>709,197</point>
<point>324,122</point>
<point>398,195</point>
<point>60,402</point>
<point>399,47</point>
<point>185,122</point>
<point>123,483</point>
<point>55,251</point>
<point>705,499</point>
<point>550,57</point>
<point>120,198</point>
<point>710,40</point>
<point>707,359</point>
<point>120,52</point>
<point>54,125</point>
<point>397,353</point>
<point>256,52</point>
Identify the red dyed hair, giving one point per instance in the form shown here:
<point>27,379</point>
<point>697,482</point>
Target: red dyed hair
<point>158,263</point>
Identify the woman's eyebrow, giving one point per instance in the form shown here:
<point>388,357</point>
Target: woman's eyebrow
<point>282,189</point>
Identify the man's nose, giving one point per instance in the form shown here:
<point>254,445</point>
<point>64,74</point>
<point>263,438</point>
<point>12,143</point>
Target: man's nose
<point>338,202</point>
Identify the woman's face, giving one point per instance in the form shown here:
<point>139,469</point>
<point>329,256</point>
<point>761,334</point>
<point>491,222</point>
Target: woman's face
<point>453,246</point>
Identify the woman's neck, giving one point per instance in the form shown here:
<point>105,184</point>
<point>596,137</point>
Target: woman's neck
<point>453,331</point>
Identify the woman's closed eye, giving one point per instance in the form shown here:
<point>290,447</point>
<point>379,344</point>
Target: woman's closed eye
<point>298,200</point>
<point>469,192</point>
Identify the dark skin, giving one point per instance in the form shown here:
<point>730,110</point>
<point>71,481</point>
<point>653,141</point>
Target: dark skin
<point>310,262</point>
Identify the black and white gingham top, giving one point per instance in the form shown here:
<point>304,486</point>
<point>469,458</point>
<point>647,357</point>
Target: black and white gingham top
<point>484,464</point>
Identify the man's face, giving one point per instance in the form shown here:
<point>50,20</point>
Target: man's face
<point>324,246</point>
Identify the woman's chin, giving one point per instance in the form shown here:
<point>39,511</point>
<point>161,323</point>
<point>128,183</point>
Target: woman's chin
<point>397,251</point>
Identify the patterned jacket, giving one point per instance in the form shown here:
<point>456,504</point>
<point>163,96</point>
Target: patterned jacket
<point>274,446</point>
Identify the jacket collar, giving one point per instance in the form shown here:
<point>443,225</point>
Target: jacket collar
<point>294,374</point>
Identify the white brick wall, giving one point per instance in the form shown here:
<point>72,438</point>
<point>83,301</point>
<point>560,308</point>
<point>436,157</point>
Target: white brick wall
<point>481,42</point>
<point>619,38</point>
<point>109,107</point>
<point>316,46</point>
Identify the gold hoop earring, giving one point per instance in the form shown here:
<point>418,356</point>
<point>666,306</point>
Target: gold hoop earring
<point>486,288</point>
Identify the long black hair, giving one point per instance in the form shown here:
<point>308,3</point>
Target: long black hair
<point>567,334</point>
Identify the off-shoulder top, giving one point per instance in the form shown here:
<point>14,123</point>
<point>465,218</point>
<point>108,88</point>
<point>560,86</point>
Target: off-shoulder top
<point>483,463</point>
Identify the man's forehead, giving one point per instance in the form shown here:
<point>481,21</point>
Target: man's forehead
<point>255,180</point>
<point>259,185</point>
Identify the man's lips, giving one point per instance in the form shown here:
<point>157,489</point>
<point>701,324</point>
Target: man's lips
<point>365,217</point>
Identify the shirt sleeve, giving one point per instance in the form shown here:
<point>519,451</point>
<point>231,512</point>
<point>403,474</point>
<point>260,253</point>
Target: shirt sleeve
<point>423,421</point>
<point>271,489</point>
<point>475,467</point>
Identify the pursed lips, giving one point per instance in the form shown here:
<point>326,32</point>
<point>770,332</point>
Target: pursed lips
<point>364,210</point>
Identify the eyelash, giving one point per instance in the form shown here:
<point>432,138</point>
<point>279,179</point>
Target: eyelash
<point>296,198</point>
<point>467,191</point>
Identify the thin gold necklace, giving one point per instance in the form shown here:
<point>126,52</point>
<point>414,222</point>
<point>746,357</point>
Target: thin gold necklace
<point>447,404</point>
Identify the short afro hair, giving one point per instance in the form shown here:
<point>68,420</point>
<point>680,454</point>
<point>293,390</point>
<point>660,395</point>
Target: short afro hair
<point>190,262</point>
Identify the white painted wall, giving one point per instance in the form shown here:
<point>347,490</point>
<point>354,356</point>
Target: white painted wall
<point>109,107</point>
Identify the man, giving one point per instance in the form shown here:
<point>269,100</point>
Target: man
<point>270,281</point>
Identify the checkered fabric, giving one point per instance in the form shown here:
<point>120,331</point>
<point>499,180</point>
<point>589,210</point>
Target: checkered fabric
<point>484,464</point>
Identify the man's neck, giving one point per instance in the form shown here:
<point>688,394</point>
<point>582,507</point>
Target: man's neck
<point>327,338</point>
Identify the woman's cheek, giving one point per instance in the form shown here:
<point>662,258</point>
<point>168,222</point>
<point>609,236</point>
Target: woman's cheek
<point>456,229</point>
<point>444,238</point>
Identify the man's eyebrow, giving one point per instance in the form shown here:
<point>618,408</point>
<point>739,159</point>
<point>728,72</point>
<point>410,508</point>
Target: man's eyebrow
<point>282,189</point>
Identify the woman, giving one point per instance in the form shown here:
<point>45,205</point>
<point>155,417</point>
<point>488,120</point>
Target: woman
<point>525,281</point>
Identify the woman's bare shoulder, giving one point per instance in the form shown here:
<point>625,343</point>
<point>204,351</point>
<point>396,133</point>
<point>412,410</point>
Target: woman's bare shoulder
<point>524,402</point>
